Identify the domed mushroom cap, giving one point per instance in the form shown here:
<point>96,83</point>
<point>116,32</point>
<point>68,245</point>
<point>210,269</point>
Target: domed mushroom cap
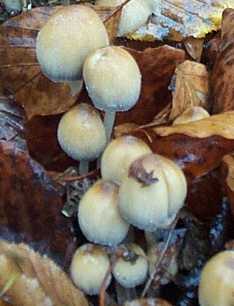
<point>118,156</point>
<point>81,133</point>
<point>217,281</point>
<point>131,269</point>
<point>99,216</point>
<point>66,39</point>
<point>191,114</point>
<point>147,197</point>
<point>89,266</point>
<point>112,79</point>
<point>134,14</point>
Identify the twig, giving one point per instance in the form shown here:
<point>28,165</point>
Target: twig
<point>158,262</point>
<point>73,178</point>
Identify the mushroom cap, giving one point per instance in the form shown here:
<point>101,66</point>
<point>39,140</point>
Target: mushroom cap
<point>118,156</point>
<point>81,133</point>
<point>131,273</point>
<point>89,266</point>
<point>66,39</point>
<point>134,14</point>
<point>99,216</point>
<point>112,78</point>
<point>176,183</point>
<point>147,197</point>
<point>147,302</point>
<point>217,281</point>
<point>192,114</point>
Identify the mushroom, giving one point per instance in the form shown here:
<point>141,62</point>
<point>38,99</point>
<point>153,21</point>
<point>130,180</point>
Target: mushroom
<point>118,156</point>
<point>99,217</point>
<point>191,114</point>
<point>148,302</point>
<point>89,267</point>
<point>217,281</point>
<point>13,5</point>
<point>81,134</point>
<point>134,14</point>
<point>130,269</point>
<point>64,42</point>
<point>152,193</point>
<point>113,82</point>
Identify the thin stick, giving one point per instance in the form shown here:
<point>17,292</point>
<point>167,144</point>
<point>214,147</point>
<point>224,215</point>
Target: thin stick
<point>71,178</point>
<point>109,120</point>
<point>152,276</point>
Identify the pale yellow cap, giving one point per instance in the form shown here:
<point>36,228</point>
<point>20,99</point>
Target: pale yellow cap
<point>113,79</point>
<point>68,37</point>
<point>81,133</point>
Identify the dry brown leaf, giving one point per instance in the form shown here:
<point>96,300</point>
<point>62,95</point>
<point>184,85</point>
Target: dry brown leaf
<point>228,178</point>
<point>38,280</point>
<point>192,88</point>
<point>194,47</point>
<point>179,19</point>
<point>216,125</point>
<point>222,77</point>
<point>20,73</point>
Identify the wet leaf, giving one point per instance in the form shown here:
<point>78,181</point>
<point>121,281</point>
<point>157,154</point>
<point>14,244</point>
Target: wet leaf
<point>198,147</point>
<point>222,77</point>
<point>191,88</point>
<point>194,47</point>
<point>179,19</point>
<point>228,178</point>
<point>30,202</point>
<point>157,66</point>
<point>39,281</point>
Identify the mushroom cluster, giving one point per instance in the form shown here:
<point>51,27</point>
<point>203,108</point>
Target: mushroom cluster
<point>137,188</point>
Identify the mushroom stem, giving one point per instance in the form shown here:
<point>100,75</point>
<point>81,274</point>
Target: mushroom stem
<point>75,87</point>
<point>83,167</point>
<point>109,120</point>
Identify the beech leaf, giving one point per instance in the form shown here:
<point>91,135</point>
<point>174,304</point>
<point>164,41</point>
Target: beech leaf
<point>179,19</point>
<point>228,178</point>
<point>222,76</point>
<point>39,280</point>
<point>192,86</point>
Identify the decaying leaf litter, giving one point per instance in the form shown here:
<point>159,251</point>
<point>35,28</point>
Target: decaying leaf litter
<point>186,71</point>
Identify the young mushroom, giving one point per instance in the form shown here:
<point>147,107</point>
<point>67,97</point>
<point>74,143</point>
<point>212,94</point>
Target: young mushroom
<point>64,42</point>
<point>216,286</point>
<point>152,193</point>
<point>113,82</point>
<point>134,14</point>
<point>99,217</point>
<point>81,134</point>
<point>148,302</point>
<point>130,269</point>
<point>118,156</point>
<point>89,267</point>
<point>191,114</point>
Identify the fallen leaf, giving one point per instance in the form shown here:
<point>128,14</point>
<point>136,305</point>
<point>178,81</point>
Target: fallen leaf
<point>38,281</point>
<point>216,125</point>
<point>179,19</point>
<point>228,178</point>
<point>222,76</point>
<point>30,202</point>
<point>157,66</point>
<point>198,147</point>
<point>192,87</point>
<point>194,47</point>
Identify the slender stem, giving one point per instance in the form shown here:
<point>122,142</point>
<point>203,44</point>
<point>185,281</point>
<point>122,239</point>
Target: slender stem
<point>83,167</point>
<point>76,87</point>
<point>109,120</point>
